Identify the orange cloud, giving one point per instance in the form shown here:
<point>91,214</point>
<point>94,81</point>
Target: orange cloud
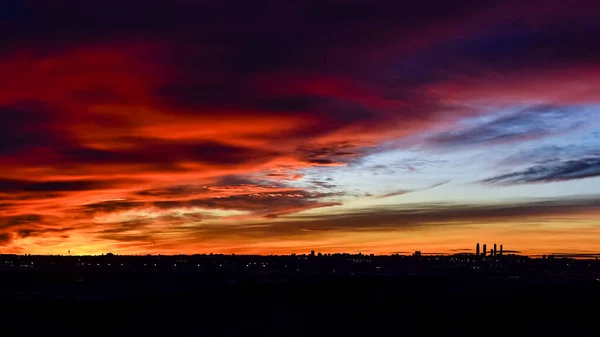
<point>121,133</point>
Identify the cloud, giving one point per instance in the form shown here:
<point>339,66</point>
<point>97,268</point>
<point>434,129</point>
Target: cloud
<point>108,206</point>
<point>264,204</point>
<point>550,153</point>
<point>14,185</point>
<point>550,172</point>
<point>395,193</point>
<point>27,125</point>
<point>529,123</point>
<point>4,238</point>
<point>412,217</point>
<point>179,105</point>
<point>401,192</point>
<point>19,220</point>
<point>30,225</point>
<point>41,231</point>
<point>174,191</point>
<point>252,197</point>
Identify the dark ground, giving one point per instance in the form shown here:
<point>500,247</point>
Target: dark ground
<point>188,304</point>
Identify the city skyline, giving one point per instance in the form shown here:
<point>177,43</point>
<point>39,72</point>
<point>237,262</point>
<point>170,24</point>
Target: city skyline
<point>478,251</point>
<point>279,127</point>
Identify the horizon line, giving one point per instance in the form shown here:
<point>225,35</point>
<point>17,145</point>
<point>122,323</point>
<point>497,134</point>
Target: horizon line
<point>559,255</point>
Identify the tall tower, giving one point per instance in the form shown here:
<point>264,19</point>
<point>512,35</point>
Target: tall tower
<point>494,250</point>
<point>477,249</point>
<point>501,251</point>
<point>484,249</point>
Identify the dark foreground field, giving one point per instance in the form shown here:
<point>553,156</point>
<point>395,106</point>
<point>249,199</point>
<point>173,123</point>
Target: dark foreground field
<point>184,304</point>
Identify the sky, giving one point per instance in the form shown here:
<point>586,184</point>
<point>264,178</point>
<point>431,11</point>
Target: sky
<point>278,127</point>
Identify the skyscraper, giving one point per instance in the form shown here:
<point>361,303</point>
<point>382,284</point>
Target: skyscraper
<point>477,249</point>
<point>501,250</point>
<point>494,250</point>
<point>484,249</point>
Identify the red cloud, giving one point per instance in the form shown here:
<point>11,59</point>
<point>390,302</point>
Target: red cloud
<point>150,108</point>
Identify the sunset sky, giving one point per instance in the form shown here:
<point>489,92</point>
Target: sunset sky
<point>285,126</point>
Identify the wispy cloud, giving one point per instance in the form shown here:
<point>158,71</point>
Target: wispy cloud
<point>550,172</point>
<point>401,191</point>
<point>529,123</point>
<point>552,153</point>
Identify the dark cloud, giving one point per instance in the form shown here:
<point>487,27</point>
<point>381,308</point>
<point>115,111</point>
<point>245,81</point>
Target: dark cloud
<point>124,227</point>
<point>532,122</point>
<point>159,152</point>
<point>417,164</point>
<point>331,154</point>
<point>175,191</point>
<point>100,95</point>
<point>19,220</point>
<point>419,215</point>
<point>24,233</point>
<point>109,206</point>
<point>518,42</point>
<point>139,229</point>
<point>243,180</point>
<point>266,204</point>
<point>550,172</point>
<point>154,154</point>
<point>14,185</point>
<point>244,196</point>
<point>521,47</point>
<point>4,238</point>
<point>32,225</point>
<point>395,193</point>
<point>404,191</point>
<point>323,162</point>
<point>323,184</point>
<point>41,231</point>
<point>26,126</point>
<point>507,47</point>
<point>267,198</point>
<point>552,154</point>
<point>223,94</point>
<point>382,169</point>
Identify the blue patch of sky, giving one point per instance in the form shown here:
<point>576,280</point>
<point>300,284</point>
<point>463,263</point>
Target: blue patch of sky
<point>564,133</point>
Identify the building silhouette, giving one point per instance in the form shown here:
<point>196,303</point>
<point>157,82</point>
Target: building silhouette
<point>477,249</point>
